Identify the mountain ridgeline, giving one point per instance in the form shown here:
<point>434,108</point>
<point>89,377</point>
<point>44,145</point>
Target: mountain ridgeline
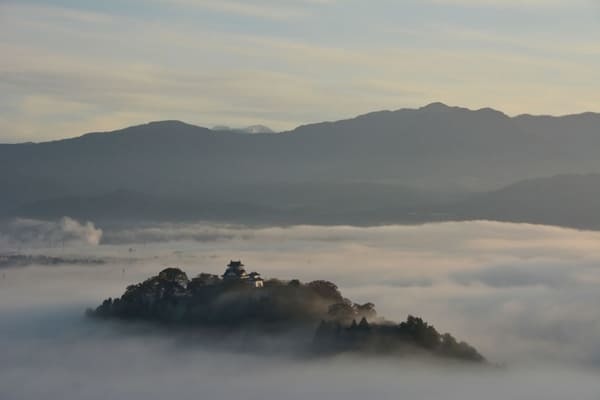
<point>411,165</point>
<point>238,303</point>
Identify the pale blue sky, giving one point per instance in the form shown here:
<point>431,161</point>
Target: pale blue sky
<point>73,66</point>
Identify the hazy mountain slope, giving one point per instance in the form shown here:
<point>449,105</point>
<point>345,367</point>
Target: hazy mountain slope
<point>437,149</point>
<point>564,200</point>
<point>314,203</point>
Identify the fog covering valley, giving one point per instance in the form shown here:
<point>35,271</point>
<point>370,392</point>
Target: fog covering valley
<point>524,295</point>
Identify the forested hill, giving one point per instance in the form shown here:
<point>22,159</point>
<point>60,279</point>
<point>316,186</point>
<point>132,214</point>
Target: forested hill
<point>242,304</point>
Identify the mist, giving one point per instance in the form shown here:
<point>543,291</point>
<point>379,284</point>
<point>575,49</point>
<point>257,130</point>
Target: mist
<point>38,233</point>
<point>524,295</point>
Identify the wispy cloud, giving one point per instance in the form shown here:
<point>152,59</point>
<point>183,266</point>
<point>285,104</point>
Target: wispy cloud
<point>71,70</point>
<point>514,3</point>
<point>277,10</point>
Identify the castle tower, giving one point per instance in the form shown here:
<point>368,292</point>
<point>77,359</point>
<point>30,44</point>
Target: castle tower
<point>235,271</point>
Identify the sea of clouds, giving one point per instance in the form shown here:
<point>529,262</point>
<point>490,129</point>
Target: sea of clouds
<point>525,295</point>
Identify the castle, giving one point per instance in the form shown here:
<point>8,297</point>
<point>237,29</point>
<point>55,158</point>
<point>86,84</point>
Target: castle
<point>235,272</point>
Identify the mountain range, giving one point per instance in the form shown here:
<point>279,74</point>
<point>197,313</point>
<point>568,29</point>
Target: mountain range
<point>411,165</point>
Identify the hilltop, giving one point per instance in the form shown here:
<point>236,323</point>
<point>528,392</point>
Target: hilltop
<point>241,302</point>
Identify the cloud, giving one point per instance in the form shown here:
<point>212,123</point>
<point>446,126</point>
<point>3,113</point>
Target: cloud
<point>29,232</point>
<point>77,360</point>
<point>536,4</point>
<point>525,295</point>
<point>521,275</point>
<point>516,291</point>
<point>282,10</point>
<point>223,72</point>
<point>512,290</point>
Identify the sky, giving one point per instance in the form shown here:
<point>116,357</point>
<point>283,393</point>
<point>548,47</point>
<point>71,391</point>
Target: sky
<point>75,66</point>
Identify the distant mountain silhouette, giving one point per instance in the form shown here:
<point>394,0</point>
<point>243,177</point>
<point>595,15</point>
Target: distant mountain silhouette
<point>383,163</point>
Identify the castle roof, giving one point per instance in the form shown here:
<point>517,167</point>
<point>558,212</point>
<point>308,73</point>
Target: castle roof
<point>235,264</point>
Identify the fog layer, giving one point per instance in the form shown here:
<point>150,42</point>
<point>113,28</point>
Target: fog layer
<point>526,296</point>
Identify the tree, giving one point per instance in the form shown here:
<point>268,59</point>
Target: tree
<point>341,312</point>
<point>174,275</point>
<point>366,310</point>
<point>363,324</point>
<point>325,289</point>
